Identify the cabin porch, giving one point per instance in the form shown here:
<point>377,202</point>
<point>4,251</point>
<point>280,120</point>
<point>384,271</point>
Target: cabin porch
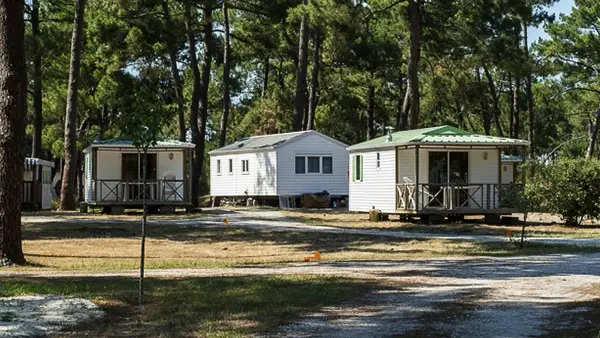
<point>456,180</point>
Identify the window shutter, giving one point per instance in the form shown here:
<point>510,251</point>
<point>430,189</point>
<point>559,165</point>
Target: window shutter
<point>353,168</point>
<point>361,168</point>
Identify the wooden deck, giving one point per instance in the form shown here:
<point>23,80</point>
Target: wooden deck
<point>456,199</point>
<point>131,193</point>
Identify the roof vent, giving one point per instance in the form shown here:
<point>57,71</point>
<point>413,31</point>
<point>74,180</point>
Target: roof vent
<point>97,139</point>
<point>389,130</point>
<point>241,144</point>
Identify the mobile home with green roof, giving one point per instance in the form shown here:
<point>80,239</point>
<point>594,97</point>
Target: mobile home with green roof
<point>431,171</point>
<point>114,175</point>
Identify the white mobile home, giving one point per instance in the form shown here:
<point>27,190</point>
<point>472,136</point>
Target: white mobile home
<point>432,171</point>
<point>114,175</point>
<point>278,165</point>
<point>37,184</point>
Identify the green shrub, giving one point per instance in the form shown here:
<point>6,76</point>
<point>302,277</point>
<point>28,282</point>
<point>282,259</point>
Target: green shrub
<point>569,187</point>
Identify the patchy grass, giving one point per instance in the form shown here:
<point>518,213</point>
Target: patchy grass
<point>471,226</point>
<point>207,307</point>
<point>114,247</point>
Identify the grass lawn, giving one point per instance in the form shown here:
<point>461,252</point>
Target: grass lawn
<point>113,247</point>
<point>207,307</point>
<point>470,226</point>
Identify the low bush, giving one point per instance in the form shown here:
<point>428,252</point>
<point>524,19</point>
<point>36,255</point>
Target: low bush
<point>569,187</point>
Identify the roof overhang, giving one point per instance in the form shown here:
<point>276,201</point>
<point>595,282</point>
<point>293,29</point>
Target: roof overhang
<point>157,147</point>
<point>240,151</point>
<point>442,145</point>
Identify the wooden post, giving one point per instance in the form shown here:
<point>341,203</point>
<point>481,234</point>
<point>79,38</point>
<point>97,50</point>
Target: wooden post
<point>417,178</point>
<point>499,178</point>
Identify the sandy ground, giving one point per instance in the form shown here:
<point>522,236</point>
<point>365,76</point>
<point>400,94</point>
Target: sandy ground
<point>454,297</point>
<point>36,316</point>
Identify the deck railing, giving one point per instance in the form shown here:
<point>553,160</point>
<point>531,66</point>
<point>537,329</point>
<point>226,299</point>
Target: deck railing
<point>133,191</point>
<point>472,196</point>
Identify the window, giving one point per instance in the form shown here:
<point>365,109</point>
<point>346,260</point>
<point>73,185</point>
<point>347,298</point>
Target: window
<point>300,165</point>
<point>245,166</point>
<point>218,167</point>
<point>357,165</point>
<point>327,165</point>
<point>378,162</point>
<point>230,166</point>
<point>314,164</point>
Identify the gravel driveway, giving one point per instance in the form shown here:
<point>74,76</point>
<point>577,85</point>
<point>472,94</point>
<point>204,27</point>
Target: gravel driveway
<point>451,297</point>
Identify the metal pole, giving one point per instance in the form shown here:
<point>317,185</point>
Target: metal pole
<point>143,246</point>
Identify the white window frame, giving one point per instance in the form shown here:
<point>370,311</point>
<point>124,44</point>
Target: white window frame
<point>320,164</point>
<point>219,167</point>
<point>230,166</point>
<point>245,167</point>
<point>378,160</point>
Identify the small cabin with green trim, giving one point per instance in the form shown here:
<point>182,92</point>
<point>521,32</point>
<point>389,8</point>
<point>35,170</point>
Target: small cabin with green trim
<point>432,171</point>
<point>114,175</point>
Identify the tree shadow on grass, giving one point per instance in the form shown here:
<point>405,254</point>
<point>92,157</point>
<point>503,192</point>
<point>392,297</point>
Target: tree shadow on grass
<point>196,306</point>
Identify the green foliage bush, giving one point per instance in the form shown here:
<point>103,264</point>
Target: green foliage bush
<point>569,187</point>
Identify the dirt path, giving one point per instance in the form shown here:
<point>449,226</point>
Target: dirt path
<point>456,297</point>
<point>273,220</point>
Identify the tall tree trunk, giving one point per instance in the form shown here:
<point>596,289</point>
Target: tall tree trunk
<point>300,100</point>
<point>414,56</point>
<point>461,116</point>
<point>265,86</point>
<point>194,102</point>
<point>206,65</point>
<point>593,135</point>
<point>405,109</point>
<point>67,195</point>
<point>314,81</point>
<point>371,111</point>
<point>80,175</point>
<point>511,114</point>
<point>226,65</point>
<point>495,101</point>
<point>175,71</point>
<point>401,119</point>
<point>13,93</point>
<point>516,103</point>
<point>36,149</point>
<point>485,107</point>
<point>529,94</point>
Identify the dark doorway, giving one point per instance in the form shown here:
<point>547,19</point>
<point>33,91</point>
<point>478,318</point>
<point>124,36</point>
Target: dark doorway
<point>448,168</point>
<point>131,174</point>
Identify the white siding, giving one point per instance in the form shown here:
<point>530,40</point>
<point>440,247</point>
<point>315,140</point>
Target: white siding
<point>406,165</point>
<point>108,168</point>
<point>312,144</point>
<point>378,187</point>
<point>507,172</point>
<point>483,171</point>
<point>261,179</point>
<point>168,167</point>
